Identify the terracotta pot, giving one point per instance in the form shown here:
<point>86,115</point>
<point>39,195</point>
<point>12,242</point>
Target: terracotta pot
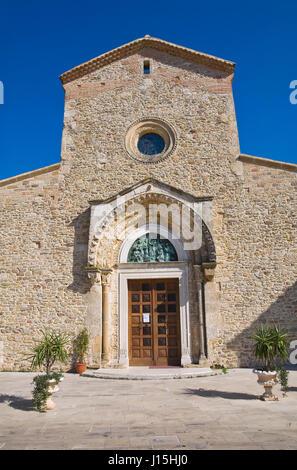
<point>80,368</point>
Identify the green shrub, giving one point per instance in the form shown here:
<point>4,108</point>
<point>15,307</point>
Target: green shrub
<point>40,392</point>
<point>81,344</point>
<point>46,352</point>
<point>283,378</point>
<point>270,346</point>
<point>50,349</point>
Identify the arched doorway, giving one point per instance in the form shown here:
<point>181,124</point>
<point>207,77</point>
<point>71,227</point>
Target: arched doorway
<point>153,290</point>
<point>153,307</point>
<point>154,322</point>
<point>115,225</point>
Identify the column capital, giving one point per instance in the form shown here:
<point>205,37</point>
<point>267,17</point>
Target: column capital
<point>99,275</point>
<point>93,274</point>
<point>105,276</point>
<point>208,271</point>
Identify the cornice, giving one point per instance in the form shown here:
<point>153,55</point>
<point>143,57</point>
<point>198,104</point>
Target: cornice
<point>30,174</point>
<point>267,162</point>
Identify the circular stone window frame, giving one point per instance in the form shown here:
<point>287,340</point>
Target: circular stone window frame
<point>150,126</point>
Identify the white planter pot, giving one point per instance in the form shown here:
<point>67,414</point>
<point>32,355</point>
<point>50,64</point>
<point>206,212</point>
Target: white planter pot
<point>268,380</point>
<point>49,404</point>
<point>54,384</point>
<point>53,387</point>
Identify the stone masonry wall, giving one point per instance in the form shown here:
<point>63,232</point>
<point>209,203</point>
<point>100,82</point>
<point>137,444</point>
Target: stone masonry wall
<point>45,219</point>
<point>256,242</point>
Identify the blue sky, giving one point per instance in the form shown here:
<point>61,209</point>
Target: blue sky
<point>40,39</point>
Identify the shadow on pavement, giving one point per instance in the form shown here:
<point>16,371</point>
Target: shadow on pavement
<point>19,403</point>
<point>217,393</point>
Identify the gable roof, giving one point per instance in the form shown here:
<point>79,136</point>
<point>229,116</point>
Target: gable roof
<point>146,42</point>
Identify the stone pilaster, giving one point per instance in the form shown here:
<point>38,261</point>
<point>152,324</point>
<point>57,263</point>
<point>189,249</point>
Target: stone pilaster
<point>94,318</point>
<point>199,277</point>
<point>99,299</point>
<point>105,280</point>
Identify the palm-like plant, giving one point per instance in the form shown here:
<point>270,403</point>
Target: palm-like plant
<point>50,349</point>
<point>270,345</point>
<point>81,343</point>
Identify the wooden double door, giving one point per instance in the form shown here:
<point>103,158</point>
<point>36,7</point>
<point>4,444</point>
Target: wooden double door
<point>154,322</point>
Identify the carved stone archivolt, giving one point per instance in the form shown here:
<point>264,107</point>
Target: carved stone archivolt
<point>120,222</point>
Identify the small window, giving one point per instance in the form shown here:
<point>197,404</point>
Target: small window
<point>150,144</point>
<point>146,66</point>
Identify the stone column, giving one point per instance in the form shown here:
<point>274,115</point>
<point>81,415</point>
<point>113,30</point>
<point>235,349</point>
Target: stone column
<point>209,307</point>
<point>105,280</point>
<point>94,315</point>
<point>203,352</point>
<point>203,361</point>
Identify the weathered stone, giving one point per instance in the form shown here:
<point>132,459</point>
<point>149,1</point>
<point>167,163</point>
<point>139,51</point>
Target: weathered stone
<point>45,214</point>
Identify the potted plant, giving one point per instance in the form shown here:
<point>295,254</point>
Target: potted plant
<point>81,343</point>
<point>46,353</point>
<point>44,387</point>
<point>271,348</point>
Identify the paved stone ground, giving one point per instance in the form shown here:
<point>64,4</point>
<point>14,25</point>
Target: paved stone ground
<point>216,412</point>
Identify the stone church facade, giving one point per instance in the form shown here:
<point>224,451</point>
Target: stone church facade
<point>154,231</point>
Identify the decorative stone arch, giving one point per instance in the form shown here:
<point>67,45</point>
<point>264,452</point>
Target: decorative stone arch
<point>112,234</point>
<point>106,224</point>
